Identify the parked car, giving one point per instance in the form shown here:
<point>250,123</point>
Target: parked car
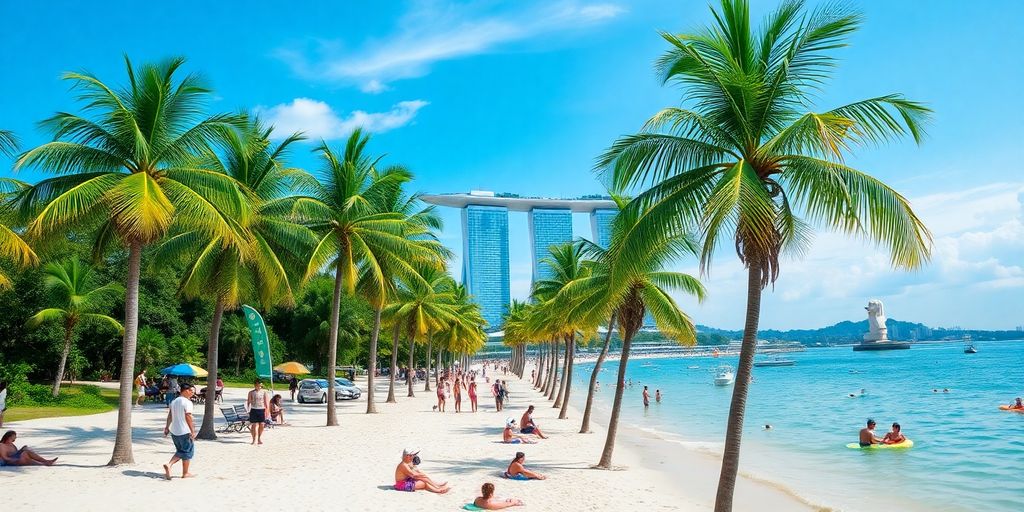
<point>315,390</point>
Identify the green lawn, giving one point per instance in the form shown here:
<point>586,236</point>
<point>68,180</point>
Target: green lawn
<point>74,400</point>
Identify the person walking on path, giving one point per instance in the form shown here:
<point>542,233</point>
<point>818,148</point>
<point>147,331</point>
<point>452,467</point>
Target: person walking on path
<point>258,403</point>
<point>293,386</point>
<point>182,430</point>
<point>140,386</point>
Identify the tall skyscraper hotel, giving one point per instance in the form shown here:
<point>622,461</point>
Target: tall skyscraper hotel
<point>485,244</point>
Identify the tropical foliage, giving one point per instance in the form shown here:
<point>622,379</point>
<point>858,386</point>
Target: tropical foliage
<point>743,159</point>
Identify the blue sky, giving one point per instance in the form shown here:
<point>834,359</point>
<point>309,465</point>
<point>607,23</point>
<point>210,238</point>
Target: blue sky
<point>521,96</point>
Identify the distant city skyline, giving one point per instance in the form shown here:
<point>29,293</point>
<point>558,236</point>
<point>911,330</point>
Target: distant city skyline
<point>522,96</point>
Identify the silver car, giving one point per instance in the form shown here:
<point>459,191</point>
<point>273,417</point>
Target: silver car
<point>315,390</point>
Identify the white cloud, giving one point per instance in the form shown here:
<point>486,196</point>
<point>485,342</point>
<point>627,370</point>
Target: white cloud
<point>317,120</point>
<point>434,32</point>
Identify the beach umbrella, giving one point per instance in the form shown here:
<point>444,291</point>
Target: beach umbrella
<point>293,368</point>
<point>184,370</point>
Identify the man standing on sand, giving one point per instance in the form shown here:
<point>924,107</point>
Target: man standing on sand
<point>647,397</point>
<point>182,430</point>
<point>258,403</point>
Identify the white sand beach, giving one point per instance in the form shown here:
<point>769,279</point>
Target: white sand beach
<point>350,467</point>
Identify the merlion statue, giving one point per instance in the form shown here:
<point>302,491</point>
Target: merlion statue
<point>876,322</point>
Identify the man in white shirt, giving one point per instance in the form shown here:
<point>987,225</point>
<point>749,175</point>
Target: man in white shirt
<point>182,430</point>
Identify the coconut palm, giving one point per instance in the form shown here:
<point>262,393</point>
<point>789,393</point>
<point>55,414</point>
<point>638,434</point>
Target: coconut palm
<point>420,309</point>
<point>76,300</point>
<point>464,334</point>
<point>127,169</point>
<point>743,158</point>
<point>567,315</point>
<point>259,267</point>
<point>12,246</point>
<point>359,238</point>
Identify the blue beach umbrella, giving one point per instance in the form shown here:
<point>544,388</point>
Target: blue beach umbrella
<point>184,370</point>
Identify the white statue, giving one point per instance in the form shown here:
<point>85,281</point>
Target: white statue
<point>876,322</point>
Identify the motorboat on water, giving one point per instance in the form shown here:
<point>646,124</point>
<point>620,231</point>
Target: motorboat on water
<point>775,361</point>
<point>724,376</point>
<point>969,347</point>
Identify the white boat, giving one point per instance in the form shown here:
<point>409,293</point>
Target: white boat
<point>775,361</point>
<point>969,347</point>
<point>724,376</point>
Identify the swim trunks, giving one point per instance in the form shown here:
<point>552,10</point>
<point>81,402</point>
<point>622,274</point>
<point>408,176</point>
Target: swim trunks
<point>527,430</point>
<point>409,484</point>
<point>520,476</point>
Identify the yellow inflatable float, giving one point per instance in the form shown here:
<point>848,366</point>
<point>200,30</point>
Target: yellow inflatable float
<point>905,444</point>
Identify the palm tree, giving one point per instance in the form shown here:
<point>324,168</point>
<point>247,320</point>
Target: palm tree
<point>12,246</point>
<point>464,334</point>
<point>8,142</point>
<point>745,159</point>
<point>420,309</point>
<point>77,300</point>
<point>566,313</point>
<point>127,169</point>
<point>359,238</point>
<point>259,267</point>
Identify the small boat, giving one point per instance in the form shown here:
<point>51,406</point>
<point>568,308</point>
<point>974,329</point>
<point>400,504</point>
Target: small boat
<point>724,376</point>
<point>969,347</point>
<point>693,367</point>
<point>775,361</point>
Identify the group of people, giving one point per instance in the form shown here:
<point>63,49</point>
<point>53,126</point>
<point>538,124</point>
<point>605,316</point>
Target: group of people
<point>167,389</point>
<point>868,437</point>
<point>526,426</point>
<point>180,426</point>
<point>453,384</point>
<point>647,396</point>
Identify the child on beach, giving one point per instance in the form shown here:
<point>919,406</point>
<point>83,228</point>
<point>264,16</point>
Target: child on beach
<point>509,438</point>
<point>894,436</point>
<point>488,502</point>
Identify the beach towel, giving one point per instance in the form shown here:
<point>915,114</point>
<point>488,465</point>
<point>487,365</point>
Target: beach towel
<point>470,506</point>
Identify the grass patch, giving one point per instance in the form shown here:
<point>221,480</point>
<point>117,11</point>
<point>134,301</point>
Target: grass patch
<point>74,400</point>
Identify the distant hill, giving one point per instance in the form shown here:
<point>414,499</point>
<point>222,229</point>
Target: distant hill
<point>850,332</point>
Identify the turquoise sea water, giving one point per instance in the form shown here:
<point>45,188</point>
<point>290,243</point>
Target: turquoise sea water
<point>968,455</point>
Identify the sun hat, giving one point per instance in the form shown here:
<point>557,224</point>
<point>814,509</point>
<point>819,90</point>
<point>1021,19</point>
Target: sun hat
<point>410,451</point>
<point>510,421</point>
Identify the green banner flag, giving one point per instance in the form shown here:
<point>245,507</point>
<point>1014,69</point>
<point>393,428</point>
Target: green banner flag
<point>260,343</point>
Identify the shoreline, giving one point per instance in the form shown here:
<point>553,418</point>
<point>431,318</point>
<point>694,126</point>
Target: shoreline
<point>307,464</point>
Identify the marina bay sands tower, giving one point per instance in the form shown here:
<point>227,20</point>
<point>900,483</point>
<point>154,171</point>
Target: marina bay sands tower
<point>485,253</point>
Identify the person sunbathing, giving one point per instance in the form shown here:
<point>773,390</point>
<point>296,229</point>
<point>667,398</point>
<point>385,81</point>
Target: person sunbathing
<point>516,470</point>
<point>489,502</point>
<point>11,455</point>
<point>528,426</point>
<point>408,478</point>
<point>508,437</point>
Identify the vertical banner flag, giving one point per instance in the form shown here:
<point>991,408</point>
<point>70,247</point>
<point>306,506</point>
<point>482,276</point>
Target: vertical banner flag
<point>260,343</point>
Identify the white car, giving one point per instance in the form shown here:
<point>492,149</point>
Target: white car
<point>315,390</point>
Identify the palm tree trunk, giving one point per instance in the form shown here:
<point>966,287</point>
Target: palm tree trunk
<point>394,368</point>
<point>613,422</point>
<point>565,372</point>
<point>585,426</point>
<point>437,369</point>
<point>410,373</point>
<point>570,359</point>
<point>69,329</point>
<point>734,427</point>
<point>553,385</point>
<point>207,430</point>
<point>539,377</point>
<point>371,407</point>
<point>123,439</point>
<point>332,349</point>
<point>426,378</point>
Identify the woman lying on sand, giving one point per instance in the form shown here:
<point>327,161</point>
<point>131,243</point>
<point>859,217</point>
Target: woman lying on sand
<point>489,502</point>
<point>10,455</point>
<point>516,470</point>
<point>508,437</point>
